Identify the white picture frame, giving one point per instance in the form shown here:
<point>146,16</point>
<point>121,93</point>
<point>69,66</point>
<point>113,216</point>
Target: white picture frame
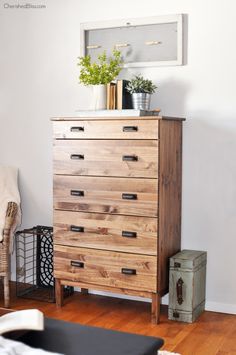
<point>176,19</point>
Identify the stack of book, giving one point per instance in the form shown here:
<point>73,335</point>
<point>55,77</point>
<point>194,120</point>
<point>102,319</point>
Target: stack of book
<point>118,98</point>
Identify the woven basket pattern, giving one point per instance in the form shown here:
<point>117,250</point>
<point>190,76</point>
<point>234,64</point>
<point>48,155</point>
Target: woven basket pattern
<point>4,245</point>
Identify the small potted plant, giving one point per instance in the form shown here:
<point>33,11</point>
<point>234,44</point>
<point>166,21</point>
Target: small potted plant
<point>141,90</point>
<point>99,74</point>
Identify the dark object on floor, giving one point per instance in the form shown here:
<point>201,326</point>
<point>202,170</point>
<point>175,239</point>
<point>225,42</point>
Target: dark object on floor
<point>75,339</point>
<point>34,264</point>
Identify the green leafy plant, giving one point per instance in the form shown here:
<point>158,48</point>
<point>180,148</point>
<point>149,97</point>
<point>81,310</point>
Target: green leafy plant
<point>102,72</point>
<point>140,85</point>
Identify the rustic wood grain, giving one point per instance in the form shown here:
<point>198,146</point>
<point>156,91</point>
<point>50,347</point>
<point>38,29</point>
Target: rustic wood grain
<point>104,231</point>
<point>58,293</point>
<point>105,288</point>
<point>170,165</point>
<point>155,310</point>
<point>103,177</point>
<point>105,268</point>
<point>105,158</point>
<point>103,194</point>
<point>105,129</point>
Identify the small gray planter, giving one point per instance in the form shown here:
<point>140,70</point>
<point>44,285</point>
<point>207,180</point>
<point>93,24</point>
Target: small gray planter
<point>141,101</point>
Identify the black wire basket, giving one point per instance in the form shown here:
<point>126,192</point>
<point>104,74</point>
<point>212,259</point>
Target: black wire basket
<point>34,264</point>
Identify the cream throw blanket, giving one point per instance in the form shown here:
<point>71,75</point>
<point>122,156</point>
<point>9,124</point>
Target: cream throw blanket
<point>8,193</point>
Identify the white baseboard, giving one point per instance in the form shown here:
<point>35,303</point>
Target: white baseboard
<point>117,295</point>
<point>221,307</point>
<point>210,306</point>
<point>164,300</point>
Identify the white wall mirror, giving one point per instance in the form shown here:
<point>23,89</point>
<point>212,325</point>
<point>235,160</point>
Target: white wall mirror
<point>144,42</point>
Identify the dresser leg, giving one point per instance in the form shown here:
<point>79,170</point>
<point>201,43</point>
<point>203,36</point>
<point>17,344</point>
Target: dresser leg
<point>59,293</point>
<point>84,291</point>
<point>155,313</point>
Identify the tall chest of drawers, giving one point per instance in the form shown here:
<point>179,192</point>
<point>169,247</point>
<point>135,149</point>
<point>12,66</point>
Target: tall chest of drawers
<point>117,204</point>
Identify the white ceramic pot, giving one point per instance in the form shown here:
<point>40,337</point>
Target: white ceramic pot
<point>99,97</point>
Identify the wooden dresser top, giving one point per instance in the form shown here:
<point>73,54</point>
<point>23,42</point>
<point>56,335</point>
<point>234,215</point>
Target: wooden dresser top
<point>93,118</point>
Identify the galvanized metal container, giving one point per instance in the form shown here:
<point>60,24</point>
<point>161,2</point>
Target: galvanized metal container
<point>141,101</point>
<point>187,284</point>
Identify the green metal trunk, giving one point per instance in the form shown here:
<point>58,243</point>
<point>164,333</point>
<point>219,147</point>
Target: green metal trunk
<point>187,285</point>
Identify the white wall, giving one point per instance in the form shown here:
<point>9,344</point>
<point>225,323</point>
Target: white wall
<point>38,79</point>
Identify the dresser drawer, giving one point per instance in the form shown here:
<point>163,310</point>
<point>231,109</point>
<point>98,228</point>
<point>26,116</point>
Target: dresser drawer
<point>104,129</point>
<point>104,231</point>
<point>123,270</point>
<point>106,195</point>
<point>106,158</point>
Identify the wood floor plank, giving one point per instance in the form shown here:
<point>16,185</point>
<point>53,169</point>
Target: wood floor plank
<point>212,334</point>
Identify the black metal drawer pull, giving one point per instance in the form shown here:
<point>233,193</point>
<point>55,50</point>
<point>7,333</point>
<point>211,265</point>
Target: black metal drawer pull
<point>130,158</point>
<point>76,193</point>
<point>129,196</point>
<point>176,314</point>
<point>77,264</point>
<point>77,129</point>
<point>179,290</point>
<point>77,156</point>
<point>177,265</point>
<point>127,234</point>
<point>77,229</point>
<point>130,129</point>
<point>128,271</point>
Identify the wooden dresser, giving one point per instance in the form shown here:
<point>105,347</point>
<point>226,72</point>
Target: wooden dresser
<point>117,204</point>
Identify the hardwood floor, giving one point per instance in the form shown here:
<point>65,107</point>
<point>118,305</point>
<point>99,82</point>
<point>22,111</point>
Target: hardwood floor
<point>212,334</point>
